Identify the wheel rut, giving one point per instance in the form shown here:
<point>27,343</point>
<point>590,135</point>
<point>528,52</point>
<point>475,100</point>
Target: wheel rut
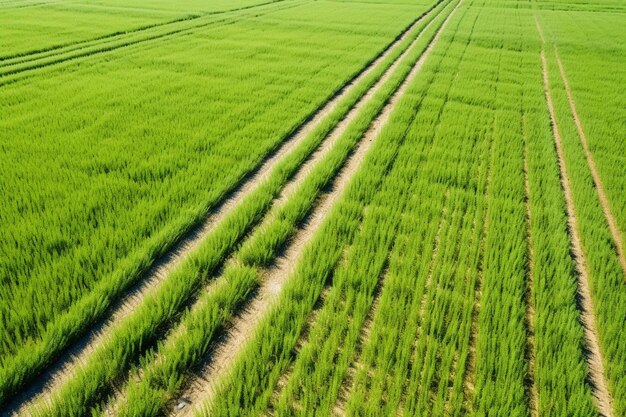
<point>63,369</point>
<point>203,387</point>
<point>594,356</point>
<point>604,200</point>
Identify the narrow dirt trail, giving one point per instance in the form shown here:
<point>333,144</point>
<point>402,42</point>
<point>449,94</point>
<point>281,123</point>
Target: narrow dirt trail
<point>531,350</point>
<point>79,353</point>
<point>594,358</point>
<point>604,200</point>
<point>203,387</point>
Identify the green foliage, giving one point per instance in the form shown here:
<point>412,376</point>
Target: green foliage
<point>450,285</point>
<point>112,215</point>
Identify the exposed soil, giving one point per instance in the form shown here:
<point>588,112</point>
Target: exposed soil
<point>58,373</point>
<point>205,383</point>
<point>594,356</point>
<point>604,200</point>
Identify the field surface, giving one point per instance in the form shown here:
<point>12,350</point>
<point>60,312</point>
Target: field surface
<point>313,208</point>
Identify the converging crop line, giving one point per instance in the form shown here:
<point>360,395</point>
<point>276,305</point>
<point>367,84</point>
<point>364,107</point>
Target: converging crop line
<point>161,267</point>
<point>427,291</point>
<point>21,70</point>
<point>349,378</point>
<point>226,354</point>
<point>599,186</point>
<point>31,55</point>
<point>594,356</point>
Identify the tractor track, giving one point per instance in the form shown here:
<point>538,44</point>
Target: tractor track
<point>62,369</point>
<point>587,314</point>
<point>204,385</point>
<point>599,186</point>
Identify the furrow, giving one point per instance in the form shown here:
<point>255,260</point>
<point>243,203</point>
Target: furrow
<point>80,351</point>
<point>594,359</point>
<point>204,386</point>
<point>604,200</point>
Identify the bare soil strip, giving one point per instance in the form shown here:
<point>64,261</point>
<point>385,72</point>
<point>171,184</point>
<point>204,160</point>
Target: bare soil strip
<point>79,353</point>
<point>604,200</point>
<point>531,348</point>
<point>594,356</point>
<point>204,386</point>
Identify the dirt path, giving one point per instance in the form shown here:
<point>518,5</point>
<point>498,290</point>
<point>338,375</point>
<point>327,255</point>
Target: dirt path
<point>530,306</point>
<point>594,357</point>
<point>604,200</point>
<point>204,386</point>
<point>80,351</point>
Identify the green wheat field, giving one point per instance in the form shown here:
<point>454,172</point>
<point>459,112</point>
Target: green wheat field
<point>313,208</point>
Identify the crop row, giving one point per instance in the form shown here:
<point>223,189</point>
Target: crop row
<point>489,293</point>
<point>132,335</point>
<point>191,341</point>
<point>600,258</point>
<point>96,270</point>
